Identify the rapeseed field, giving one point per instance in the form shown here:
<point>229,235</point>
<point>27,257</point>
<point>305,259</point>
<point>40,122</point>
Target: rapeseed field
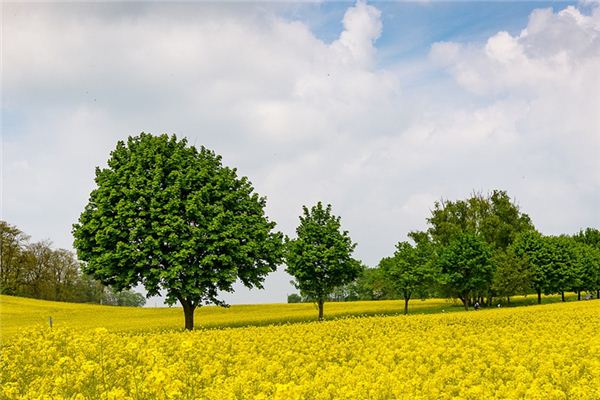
<point>17,313</point>
<point>544,352</point>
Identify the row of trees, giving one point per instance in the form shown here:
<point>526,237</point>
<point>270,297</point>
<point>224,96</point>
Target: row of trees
<point>476,250</point>
<point>37,270</point>
<point>175,219</point>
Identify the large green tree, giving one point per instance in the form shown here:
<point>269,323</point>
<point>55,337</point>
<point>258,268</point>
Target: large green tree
<point>466,267</point>
<point>173,218</point>
<point>320,258</point>
<point>494,218</point>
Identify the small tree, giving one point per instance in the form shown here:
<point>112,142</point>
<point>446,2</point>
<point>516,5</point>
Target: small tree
<point>320,258</point>
<point>173,218</point>
<point>411,270</point>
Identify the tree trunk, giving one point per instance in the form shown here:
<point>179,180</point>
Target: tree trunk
<point>320,303</point>
<point>579,295</point>
<point>465,300</point>
<point>598,294</point>
<point>188,312</point>
<point>406,299</point>
<point>539,293</point>
<point>562,296</point>
<point>507,299</point>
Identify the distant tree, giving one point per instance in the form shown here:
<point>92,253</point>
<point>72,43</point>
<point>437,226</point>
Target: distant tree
<point>90,290</point>
<point>39,263</point>
<point>371,284</point>
<point>173,218</point>
<point>63,272</point>
<point>552,261</point>
<point>12,258</point>
<point>562,274</point>
<point>530,247</point>
<point>495,218</point>
<point>411,270</point>
<point>466,267</point>
<point>127,298</point>
<point>320,258</point>
<point>589,236</point>
<point>586,269</point>
<point>512,274</point>
<point>294,298</point>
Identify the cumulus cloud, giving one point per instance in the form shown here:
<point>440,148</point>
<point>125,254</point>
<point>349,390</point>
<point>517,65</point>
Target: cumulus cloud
<point>305,119</point>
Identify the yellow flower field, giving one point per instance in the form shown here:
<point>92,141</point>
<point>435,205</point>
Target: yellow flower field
<point>544,352</point>
<point>17,313</point>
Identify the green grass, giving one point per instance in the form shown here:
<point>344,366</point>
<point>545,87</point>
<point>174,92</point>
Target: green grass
<point>18,313</point>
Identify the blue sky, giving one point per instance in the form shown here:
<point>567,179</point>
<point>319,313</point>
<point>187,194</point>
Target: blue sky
<point>410,28</point>
<point>377,108</point>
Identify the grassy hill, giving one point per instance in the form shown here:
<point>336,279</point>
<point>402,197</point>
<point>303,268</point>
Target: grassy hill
<point>18,313</point>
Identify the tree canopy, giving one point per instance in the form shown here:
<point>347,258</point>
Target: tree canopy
<point>320,258</point>
<point>173,218</point>
<point>496,218</point>
<point>466,267</point>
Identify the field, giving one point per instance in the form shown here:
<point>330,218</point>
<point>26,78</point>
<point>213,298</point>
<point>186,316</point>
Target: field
<point>17,313</point>
<point>544,352</point>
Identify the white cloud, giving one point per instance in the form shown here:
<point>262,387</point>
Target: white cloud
<point>362,26</point>
<point>306,120</point>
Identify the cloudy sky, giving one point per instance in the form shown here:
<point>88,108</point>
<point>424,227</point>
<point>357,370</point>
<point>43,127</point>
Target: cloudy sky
<point>377,108</point>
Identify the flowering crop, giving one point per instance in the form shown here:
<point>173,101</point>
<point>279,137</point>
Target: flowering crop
<point>545,352</point>
<point>17,313</point>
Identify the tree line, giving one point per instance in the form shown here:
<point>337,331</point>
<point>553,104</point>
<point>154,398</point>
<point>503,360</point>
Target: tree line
<point>36,270</point>
<point>174,218</point>
<point>478,250</point>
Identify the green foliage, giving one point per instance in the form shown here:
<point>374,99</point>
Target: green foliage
<point>373,284</point>
<point>512,274</point>
<point>466,267</point>
<point>37,270</point>
<point>589,236</point>
<point>294,298</point>
<point>13,258</point>
<point>557,263</point>
<point>587,268</point>
<point>494,218</point>
<point>561,268</point>
<point>173,218</point>
<point>531,247</point>
<point>320,258</point>
<point>412,269</point>
<point>126,298</point>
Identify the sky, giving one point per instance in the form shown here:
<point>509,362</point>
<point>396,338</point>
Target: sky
<point>378,108</point>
